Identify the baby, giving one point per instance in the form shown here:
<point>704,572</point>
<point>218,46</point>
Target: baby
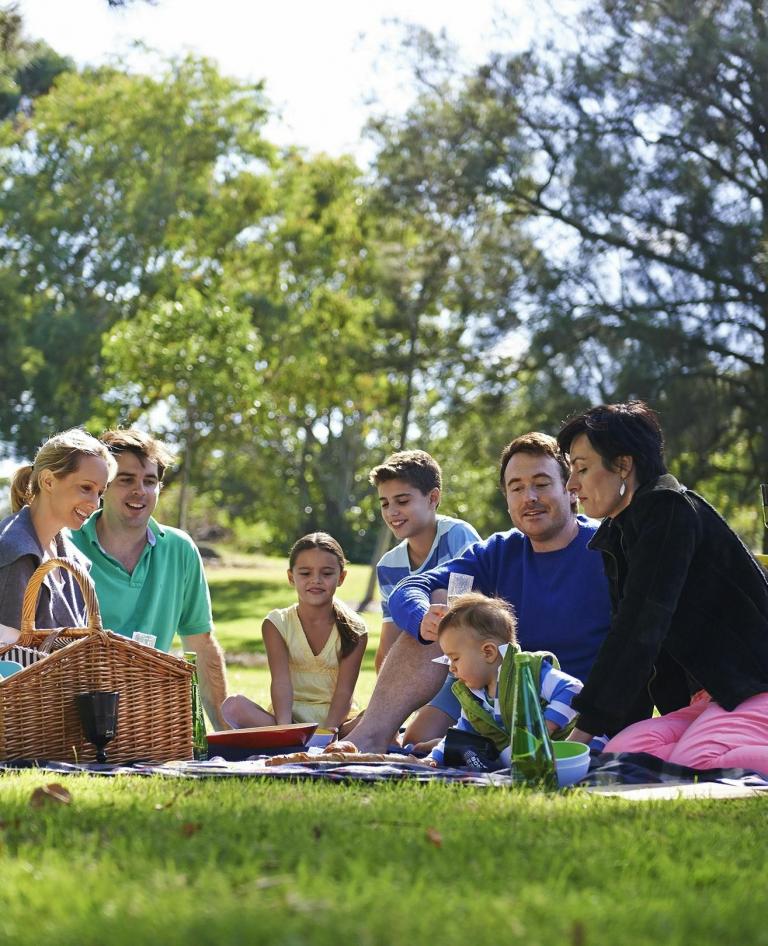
<point>477,635</point>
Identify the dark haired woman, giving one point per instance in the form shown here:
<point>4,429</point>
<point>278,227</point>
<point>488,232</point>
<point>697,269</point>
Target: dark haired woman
<point>684,588</point>
<point>314,647</point>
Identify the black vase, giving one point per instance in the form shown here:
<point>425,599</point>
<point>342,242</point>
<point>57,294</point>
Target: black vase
<point>98,716</point>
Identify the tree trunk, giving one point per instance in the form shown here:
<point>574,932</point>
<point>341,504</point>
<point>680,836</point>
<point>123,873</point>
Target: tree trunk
<point>384,536</point>
<point>382,544</point>
<point>185,492</point>
<point>306,519</point>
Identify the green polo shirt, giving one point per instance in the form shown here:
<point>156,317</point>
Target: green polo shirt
<point>166,593</point>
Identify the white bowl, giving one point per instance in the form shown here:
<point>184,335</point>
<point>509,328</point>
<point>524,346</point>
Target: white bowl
<point>571,761</point>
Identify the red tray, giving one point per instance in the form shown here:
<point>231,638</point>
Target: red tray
<point>264,737</point>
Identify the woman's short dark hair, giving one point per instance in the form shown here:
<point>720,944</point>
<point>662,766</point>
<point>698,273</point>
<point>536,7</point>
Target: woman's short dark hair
<point>620,430</point>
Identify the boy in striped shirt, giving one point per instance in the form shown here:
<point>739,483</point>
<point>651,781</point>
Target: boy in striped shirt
<point>409,485</point>
<point>476,635</point>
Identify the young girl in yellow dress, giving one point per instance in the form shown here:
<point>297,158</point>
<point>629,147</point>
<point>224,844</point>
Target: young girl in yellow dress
<point>314,647</point>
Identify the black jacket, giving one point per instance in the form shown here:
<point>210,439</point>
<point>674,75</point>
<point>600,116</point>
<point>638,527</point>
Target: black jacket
<point>683,586</point>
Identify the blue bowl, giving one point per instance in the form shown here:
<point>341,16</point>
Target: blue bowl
<point>571,761</point>
<point>9,667</point>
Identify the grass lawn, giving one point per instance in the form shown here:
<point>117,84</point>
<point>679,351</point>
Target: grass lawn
<point>137,860</point>
<point>140,860</point>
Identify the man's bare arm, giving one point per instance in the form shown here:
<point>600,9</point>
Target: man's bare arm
<point>211,674</point>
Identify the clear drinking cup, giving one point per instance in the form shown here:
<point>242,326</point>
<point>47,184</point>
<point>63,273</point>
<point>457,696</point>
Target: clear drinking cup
<point>147,639</point>
<point>458,584</point>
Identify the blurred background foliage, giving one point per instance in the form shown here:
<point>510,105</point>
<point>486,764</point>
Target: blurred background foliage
<point>552,229</point>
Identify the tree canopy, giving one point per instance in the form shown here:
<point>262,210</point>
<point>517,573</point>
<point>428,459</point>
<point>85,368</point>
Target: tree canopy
<point>553,228</point>
<point>635,158</point>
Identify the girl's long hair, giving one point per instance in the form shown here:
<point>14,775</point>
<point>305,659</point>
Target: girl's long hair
<point>349,624</point>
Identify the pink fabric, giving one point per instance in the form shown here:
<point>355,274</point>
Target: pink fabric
<point>704,736</point>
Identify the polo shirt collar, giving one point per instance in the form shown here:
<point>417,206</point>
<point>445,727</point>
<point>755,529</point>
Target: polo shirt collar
<point>154,530</point>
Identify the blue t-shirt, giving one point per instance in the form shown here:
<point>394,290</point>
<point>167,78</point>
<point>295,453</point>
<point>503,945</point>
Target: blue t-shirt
<point>561,598</point>
<point>451,538</point>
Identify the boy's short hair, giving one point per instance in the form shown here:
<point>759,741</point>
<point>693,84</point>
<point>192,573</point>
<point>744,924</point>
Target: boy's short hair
<point>415,467</point>
<point>141,445</point>
<point>486,618</point>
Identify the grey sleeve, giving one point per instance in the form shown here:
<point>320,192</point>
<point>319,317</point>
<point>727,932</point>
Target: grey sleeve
<point>13,583</point>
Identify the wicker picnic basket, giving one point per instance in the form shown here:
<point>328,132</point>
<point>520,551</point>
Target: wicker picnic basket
<point>38,716</point>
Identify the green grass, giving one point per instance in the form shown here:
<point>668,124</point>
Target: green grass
<point>150,860</point>
<point>155,861</point>
<point>242,597</point>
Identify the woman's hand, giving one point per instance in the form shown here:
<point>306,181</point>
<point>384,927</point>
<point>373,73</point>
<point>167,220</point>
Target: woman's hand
<point>578,735</point>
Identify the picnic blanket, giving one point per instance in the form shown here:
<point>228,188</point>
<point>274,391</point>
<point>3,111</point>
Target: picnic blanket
<point>607,772</point>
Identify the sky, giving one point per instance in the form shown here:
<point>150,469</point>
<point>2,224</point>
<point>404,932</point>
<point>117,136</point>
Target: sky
<point>321,59</point>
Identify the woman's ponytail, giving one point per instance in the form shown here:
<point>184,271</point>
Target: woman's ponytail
<point>21,488</point>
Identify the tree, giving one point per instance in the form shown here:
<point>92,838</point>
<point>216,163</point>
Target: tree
<point>305,274</point>
<point>116,189</point>
<point>28,68</point>
<point>450,264</point>
<point>636,158</point>
<point>651,150</point>
<point>195,358</point>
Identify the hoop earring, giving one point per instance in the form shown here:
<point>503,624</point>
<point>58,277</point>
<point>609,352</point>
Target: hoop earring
<point>623,488</point>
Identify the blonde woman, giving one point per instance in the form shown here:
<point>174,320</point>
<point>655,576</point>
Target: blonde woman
<point>60,489</point>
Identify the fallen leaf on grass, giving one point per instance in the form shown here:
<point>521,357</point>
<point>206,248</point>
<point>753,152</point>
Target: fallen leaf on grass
<point>50,794</point>
<point>190,827</point>
<point>434,837</point>
<point>161,806</point>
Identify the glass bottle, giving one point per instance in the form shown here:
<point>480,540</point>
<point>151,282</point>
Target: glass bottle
<point>199,736</point>
<point>533,759</point>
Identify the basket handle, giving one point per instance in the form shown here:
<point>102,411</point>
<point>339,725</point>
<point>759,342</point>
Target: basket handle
<point>84,580</point>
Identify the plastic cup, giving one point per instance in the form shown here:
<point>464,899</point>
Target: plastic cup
<point>148,640</point>
<point>458,584</point>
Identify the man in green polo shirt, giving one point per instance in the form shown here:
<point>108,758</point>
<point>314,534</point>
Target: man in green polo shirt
<point>150,577</point>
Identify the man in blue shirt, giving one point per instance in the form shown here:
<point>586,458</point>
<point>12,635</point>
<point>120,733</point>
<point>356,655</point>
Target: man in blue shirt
<point>542,567</point>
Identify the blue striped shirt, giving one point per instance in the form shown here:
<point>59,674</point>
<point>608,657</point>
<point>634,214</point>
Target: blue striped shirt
<point>451,538</point>
<point>557,690</point>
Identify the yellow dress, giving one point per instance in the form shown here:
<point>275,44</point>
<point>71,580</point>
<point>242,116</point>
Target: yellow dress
<point>313,676</point>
